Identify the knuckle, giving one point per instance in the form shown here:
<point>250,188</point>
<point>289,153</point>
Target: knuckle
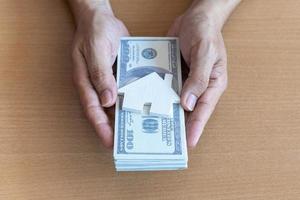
<point>95,114</point>
<point>200,82</point>
<point>97,76</point>
<point>218,71</point>
<point>195,117</point>
<point>90,110</point>
<point>206,102</point>
<point>77,81</point>
<point>196,85</point>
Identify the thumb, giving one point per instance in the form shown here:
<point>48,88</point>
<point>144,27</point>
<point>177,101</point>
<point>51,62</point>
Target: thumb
<point>202,59</point>
<point>100,61</point>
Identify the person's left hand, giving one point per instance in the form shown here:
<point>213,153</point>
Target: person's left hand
<point>203,49</point>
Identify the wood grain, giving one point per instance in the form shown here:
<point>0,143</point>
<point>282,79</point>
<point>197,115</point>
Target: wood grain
<point>249,150</point>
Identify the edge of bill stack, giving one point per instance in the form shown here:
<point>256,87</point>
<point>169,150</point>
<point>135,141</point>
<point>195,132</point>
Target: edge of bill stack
<point>144,140</point>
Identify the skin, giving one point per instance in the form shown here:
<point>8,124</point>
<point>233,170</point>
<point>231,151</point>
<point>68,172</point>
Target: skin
<point>95,49</point>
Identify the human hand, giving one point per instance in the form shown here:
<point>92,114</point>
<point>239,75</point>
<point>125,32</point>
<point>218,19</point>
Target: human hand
<point>95,48</point>
<point>203,49</point>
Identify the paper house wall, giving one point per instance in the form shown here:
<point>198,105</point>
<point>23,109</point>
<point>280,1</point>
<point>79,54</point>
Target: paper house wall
<point>150,89</point>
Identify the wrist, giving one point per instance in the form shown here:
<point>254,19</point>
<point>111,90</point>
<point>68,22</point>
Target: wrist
<point>83,7</point>
<point>216,12</point>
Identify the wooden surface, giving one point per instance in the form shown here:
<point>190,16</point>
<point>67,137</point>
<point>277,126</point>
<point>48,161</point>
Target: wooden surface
<point>250,148</point>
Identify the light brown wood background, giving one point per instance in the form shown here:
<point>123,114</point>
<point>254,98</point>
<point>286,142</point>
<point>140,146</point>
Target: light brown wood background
<point>249,150</point>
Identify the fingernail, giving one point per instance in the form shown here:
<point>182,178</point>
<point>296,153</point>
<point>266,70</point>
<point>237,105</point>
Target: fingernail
<point>105,97</point>
<point>191,102</point>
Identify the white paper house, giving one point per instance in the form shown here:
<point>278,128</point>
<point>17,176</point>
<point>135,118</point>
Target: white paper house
<point>153,90</point>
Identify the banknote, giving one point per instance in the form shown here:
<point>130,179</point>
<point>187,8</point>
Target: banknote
<point>146,141</point>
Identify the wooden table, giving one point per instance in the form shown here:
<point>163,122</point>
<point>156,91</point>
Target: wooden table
<point>249,150</point>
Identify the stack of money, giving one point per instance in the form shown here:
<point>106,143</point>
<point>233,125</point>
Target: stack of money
<point>145,140</point>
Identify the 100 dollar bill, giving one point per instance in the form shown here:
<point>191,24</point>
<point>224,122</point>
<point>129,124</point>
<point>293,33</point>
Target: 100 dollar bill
<point>139,136</point>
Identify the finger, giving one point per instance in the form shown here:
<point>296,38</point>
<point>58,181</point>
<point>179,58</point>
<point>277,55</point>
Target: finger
<point>100,57</point>
<point>203,110</point>
<point>90,101</point>
<point>202,58</point>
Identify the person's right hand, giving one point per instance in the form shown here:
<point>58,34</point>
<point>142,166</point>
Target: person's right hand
<point>95,48</point>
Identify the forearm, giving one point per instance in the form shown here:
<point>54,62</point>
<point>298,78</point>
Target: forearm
<point>217,11</point>
<point>78,7</point>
